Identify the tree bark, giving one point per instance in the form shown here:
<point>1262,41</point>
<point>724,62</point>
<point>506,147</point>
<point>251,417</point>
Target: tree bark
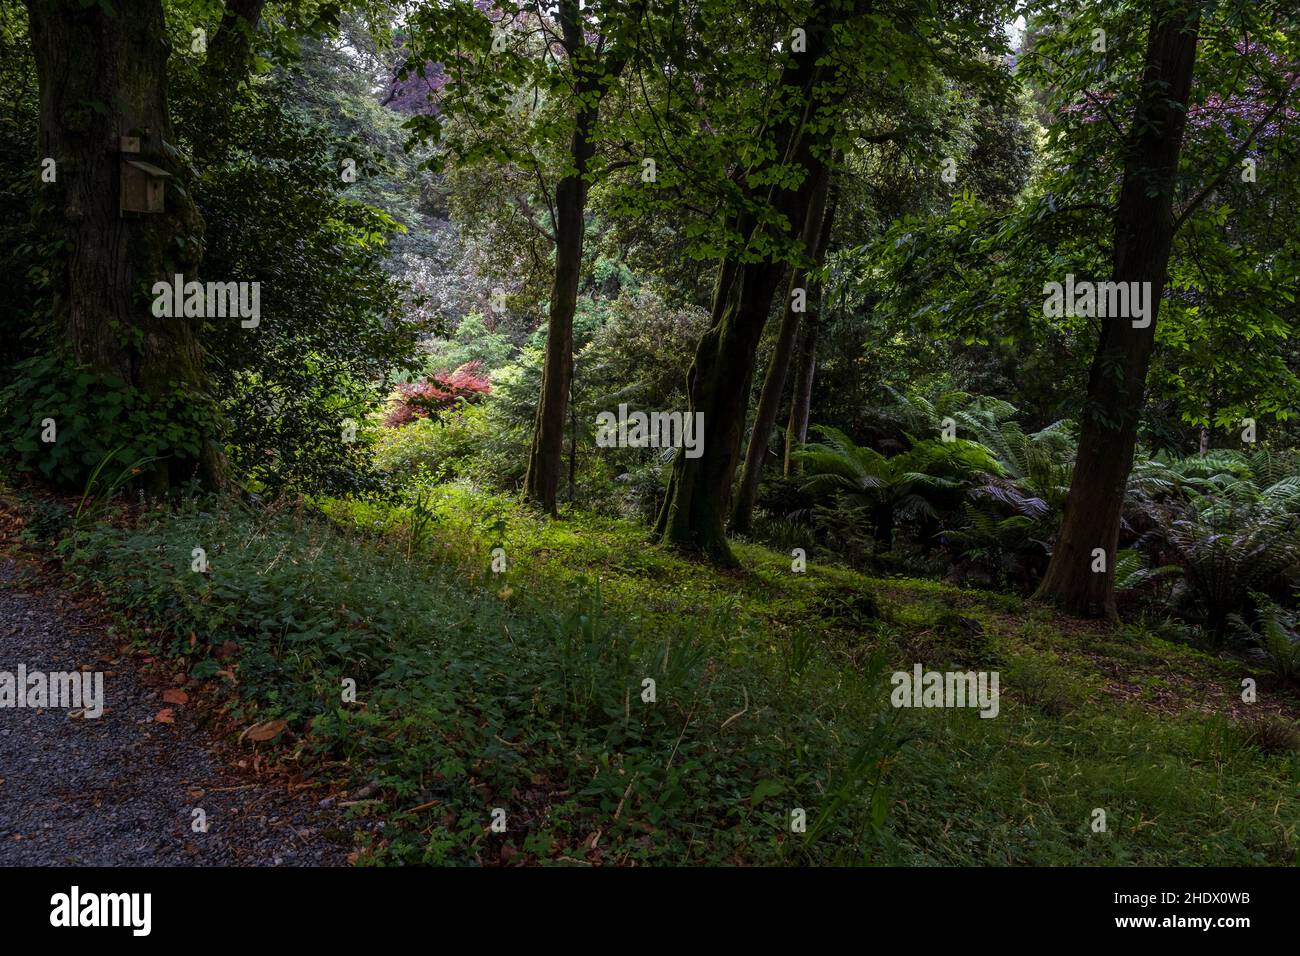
<point>769,402</point>
<point>545,456</point>
<point>796,431</point>
<point>1144,230</point>
<point>718,384</point>
<point>103,76</point>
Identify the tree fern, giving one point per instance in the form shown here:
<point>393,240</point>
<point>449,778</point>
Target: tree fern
<point>1276,637</point>
<point>1225,550</point>
<point>908,484</point>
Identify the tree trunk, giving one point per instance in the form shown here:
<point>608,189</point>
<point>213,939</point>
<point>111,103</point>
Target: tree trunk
<point>884,520</point>
<point>546,455</point>
<point>796,429</point>
<point>573,449</point>
<point>769,402</point>
<point>103,76</point>
<point>1144,229</point>
<point>719,382</point>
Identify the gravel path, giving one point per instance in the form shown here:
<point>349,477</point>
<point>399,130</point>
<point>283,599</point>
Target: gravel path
<point>120,790</point>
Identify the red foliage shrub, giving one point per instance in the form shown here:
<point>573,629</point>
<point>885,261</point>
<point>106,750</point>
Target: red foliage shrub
<point>438,394</point>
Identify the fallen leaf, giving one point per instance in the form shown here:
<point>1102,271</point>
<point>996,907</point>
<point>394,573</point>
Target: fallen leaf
<point>265,730</point>
<point>174,695</point>
<point>165,716</point>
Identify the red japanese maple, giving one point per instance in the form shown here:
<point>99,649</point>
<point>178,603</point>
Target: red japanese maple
<point>438,393</point>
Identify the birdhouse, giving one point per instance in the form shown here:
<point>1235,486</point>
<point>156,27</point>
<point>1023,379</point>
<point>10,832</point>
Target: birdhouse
<point>143,186</point>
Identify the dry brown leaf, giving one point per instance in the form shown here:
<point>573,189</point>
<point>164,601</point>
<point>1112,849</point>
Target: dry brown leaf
<point>165,716</point>
<point>265,730</point>
<point>174,695</point>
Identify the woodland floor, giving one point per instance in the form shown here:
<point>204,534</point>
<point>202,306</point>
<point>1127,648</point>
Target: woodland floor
<point>1151,729</point>
<point>120,789</point>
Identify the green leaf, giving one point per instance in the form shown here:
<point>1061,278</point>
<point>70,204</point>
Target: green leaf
<point>765,789</point>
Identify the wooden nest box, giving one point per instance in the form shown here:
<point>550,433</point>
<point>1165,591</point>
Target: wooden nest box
<point>143,185</point>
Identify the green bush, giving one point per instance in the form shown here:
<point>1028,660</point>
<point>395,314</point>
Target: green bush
<point>436,447</point>
<point>335,328</point>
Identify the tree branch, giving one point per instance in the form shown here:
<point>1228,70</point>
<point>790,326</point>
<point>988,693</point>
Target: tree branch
<point>1237,156</point>
<point>522,204</point>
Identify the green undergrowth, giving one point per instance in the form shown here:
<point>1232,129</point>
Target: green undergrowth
<point>522,688</point>
<point>478,690</point>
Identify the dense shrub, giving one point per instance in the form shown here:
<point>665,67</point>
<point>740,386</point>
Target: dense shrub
<point>474,340</point>
<point>456,444</point>
<point>333,331</point>
<point>1223,528</point>
<point>97,424</point>
<point>1273,635</point>
<point>915,484</point>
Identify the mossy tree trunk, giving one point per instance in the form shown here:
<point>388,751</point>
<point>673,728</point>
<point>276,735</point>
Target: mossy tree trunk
<point>718,385</point>
<point>103,75</point>
<point>769,402</point>
<point>796,429</point>
<point>695,509</point>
